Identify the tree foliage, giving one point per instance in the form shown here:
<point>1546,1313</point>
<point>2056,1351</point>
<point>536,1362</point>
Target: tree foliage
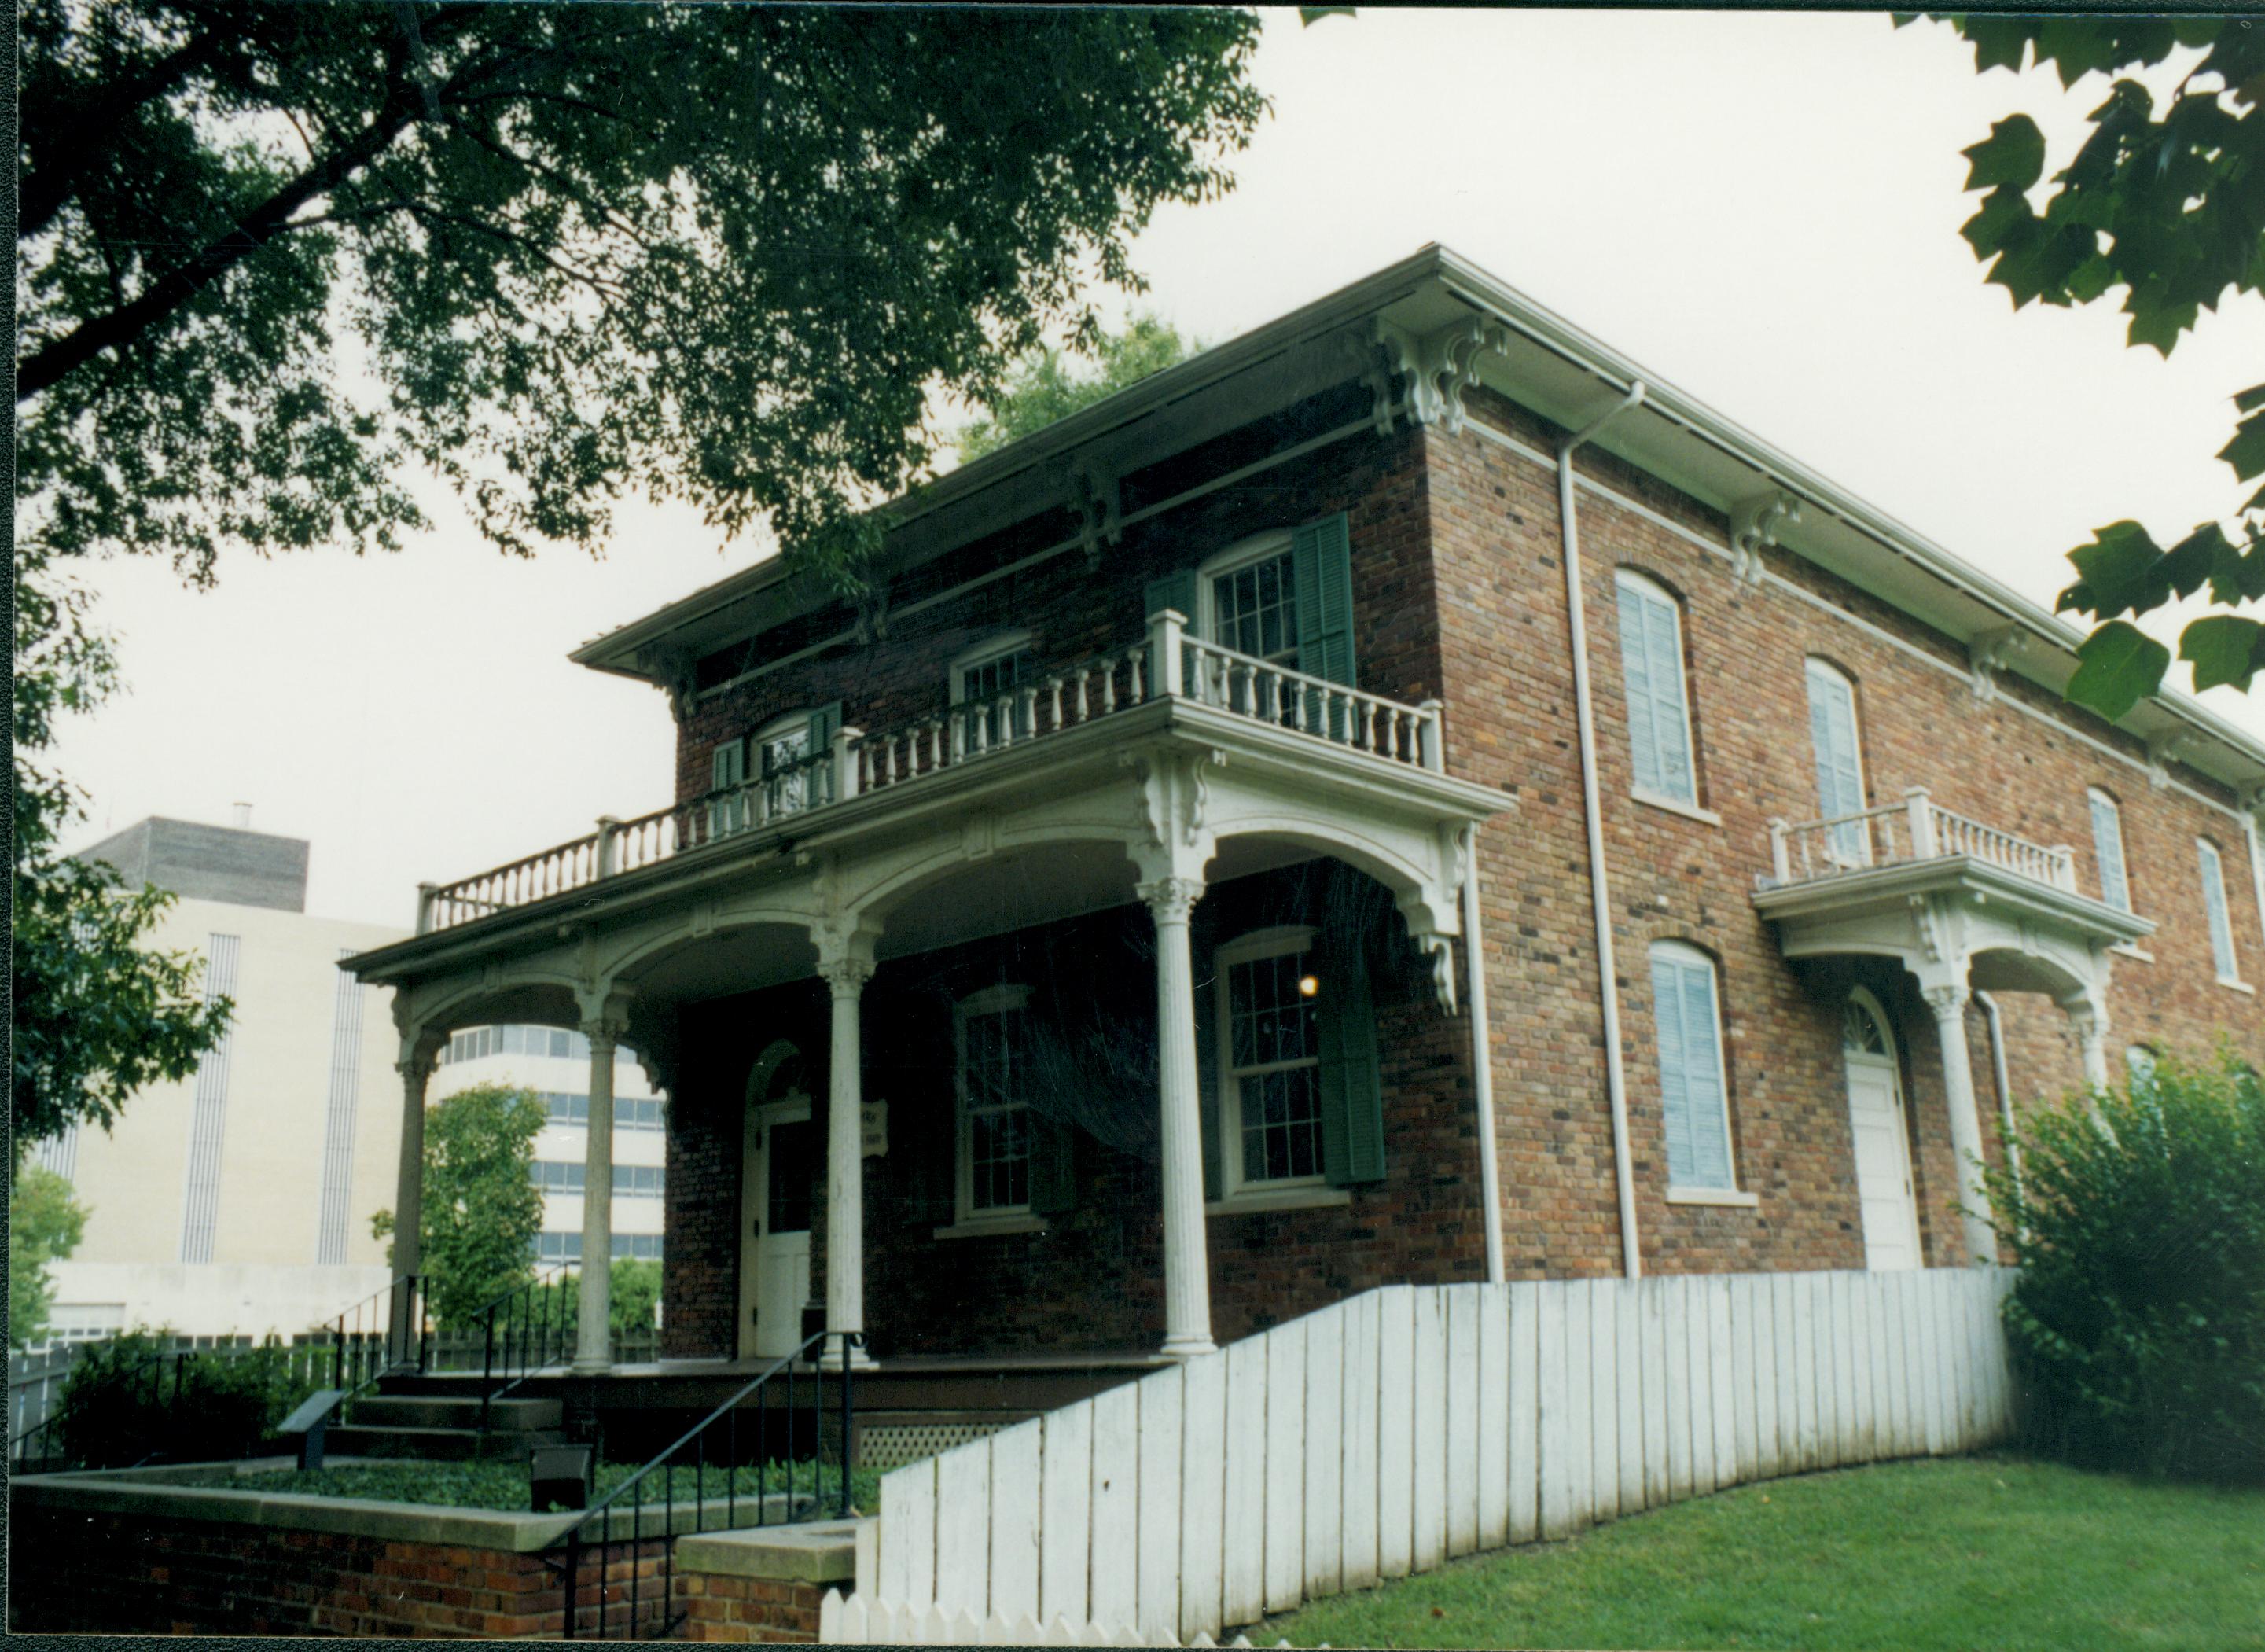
<point>45,1224</point>
<point>717,253</point>
<point>1045,387</point>
<point>2168,204</point>
<point>482,1209</point>
<point>96,1015</point>
<point>2137,1320</point>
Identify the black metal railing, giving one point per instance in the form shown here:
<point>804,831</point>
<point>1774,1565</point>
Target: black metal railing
<point>529,1328</point>
<point>389,1330</point>
<point>763,1449</point>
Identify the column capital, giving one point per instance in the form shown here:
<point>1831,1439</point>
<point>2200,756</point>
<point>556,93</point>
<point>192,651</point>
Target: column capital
<point>605,1032</point>
<point>420,1054</point>
<point>1170,899</point>
<point>1949,1001</point>
<point>846,977</point>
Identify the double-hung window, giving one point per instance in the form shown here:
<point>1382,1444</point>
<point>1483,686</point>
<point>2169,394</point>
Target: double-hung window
<point>1695,1100</point>
<point>1660,718</point>
<point>994,1116</point>
<point>1840,762</point>
<point>2220,915</point>
<point>2108,849</point>
<point>989,706</point>
<point>782,754</point>
<point>1270,1060</point>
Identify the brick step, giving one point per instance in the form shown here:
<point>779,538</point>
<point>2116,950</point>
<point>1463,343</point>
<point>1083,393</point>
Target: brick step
<point>451,1411</point>
<point>439,1444</point>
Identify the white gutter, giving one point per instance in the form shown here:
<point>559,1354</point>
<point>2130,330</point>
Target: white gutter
<point>1592,808</point>
<point>1481,1069</point>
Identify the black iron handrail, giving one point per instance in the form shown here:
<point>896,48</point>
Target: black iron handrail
<point>524,1331</point>
<point>718,1432</point>
<point>389,1330</point>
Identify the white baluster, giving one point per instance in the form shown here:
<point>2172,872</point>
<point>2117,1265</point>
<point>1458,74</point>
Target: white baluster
<point>1108,687</point>
<point>1054,700</point>
<point>1137,676</point>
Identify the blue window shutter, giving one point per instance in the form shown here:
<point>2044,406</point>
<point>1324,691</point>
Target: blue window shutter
<point>1053,1175</point>
<point>727,767</point>
<point>1671,723</point>
<point>1351,1083</point>
<point>1702,1048</point>
<point>2107,845</point>
<point>1176,592</point>
<point>1321,562</point>
<point>1636,668</point>
<point>2221,924</point>
<point>1674,1090</point>
<point>1207,1088</point>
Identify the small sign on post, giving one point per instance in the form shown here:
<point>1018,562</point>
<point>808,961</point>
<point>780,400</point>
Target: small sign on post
<point>873,1129</point>
<point>558,1477</point>
<point>308,1422</point>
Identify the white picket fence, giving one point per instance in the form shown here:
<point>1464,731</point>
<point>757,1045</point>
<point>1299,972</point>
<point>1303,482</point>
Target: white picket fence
<point>1410,1424</point>
<point>859,1622</point>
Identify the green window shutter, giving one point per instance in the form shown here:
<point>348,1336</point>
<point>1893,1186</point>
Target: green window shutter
<point>823,722</point>
<point>1053,1166</point>
<point>1207,1088</point>
<point>728,765</point>
<point>1351,1086</point>
<point>1174,590</point>
<point>1321,562</point>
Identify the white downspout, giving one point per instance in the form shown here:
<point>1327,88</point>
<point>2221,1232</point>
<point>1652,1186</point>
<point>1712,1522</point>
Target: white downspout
<point>1482,1068</point>
<point>1599,890</point>
<point>2005,1084</point>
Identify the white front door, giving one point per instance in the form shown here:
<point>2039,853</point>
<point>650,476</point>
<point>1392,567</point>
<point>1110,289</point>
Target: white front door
<point>775,1197</point>
<point>1882,1164</point>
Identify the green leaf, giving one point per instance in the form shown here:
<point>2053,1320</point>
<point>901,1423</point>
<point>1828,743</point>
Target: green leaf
<point>1308,15</point>
<point>2118,570</point>
<point>2245,453</point>
<point>2117,666</point>
<point>2223,647</point>
<point>2012,155</point>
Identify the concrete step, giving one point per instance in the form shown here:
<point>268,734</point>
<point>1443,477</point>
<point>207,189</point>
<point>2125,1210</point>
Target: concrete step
<point>439,1444</point>
<point>452,1411</point>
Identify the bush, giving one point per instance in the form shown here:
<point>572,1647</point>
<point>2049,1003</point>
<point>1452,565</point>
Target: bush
<point>128,1401</point>
<point>2137,1320</point>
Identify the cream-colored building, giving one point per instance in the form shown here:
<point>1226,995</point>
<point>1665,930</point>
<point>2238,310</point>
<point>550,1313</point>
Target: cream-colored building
<point>556,1065</point>
<point>237,1201</point>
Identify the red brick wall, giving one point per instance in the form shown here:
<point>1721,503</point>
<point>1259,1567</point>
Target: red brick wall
<point>1508,682</point>
<point>720,1608</point>
<point>115,1574</point>
<point>1458,591</point>
<point>1094,1279</point>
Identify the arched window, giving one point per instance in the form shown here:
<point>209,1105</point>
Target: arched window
<point>2107,848</point>
<point>1694,1099</point>
<point>1651,665</point>
<point>1839,755</point>
<point>1860,1031</point>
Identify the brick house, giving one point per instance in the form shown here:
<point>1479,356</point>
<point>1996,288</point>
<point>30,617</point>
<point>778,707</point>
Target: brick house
<point>1228,864</point>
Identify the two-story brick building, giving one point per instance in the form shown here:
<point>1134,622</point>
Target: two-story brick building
<point>1403,796</point>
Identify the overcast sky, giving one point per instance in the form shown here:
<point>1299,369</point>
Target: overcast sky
<point>1762,209</point>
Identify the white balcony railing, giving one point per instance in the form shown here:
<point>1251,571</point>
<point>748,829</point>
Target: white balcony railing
<point>1307,707</point>
<point>1916,829</point>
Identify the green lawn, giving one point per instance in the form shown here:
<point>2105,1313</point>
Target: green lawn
<point>1994,1552</point>
<point>503,1485</point>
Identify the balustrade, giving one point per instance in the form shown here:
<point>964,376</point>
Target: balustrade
<point>1166,662</point>
<point>1916,829</point>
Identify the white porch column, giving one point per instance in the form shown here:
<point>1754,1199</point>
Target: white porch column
<point>1187,1262</point>
<point>846,975</point>
<point>417,1059</point>
<point>594,1349</point>
<point>1949,1005</point>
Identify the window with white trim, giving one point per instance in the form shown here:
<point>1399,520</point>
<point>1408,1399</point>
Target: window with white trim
<point>1651,665</point>
<point>1249,598</point>
<point>995,1118</point>
<point>985,681</point>
<point>2108,847</point>
<point>782,753</point>
<point>1269,1060</point>
<point>1839,755</point>
<point>2221,916</point>
<point>1694,1097</point>
<point>2139,1066</point>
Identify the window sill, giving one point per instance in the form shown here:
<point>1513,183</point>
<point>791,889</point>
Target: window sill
<point>2231,985</point>
<point>993,1226</point>
<point>1728,1198</point>
<point>2123,950</point>
<point>1251,1202</point>
<point>1675,805</point>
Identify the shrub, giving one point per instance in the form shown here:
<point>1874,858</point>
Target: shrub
<point>2137,1320</point>
<point>129,1401</point>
